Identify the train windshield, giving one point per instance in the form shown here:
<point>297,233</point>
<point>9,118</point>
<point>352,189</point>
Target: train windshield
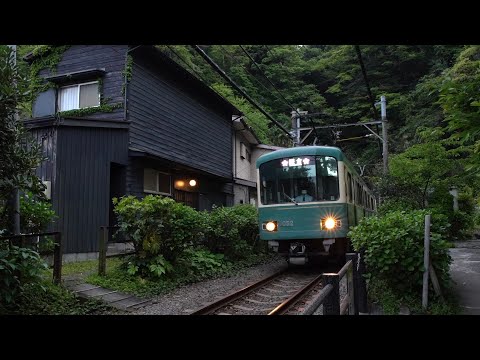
<point>298,180</point>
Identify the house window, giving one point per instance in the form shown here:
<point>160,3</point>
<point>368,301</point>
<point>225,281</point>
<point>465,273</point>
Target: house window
<point>78,96</point>
<point>248,156</point>
<point>245,152</point>
<point>157,182</point>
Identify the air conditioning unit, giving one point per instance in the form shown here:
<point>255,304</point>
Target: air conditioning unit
<point>243,151</point>
<point>48,189</point>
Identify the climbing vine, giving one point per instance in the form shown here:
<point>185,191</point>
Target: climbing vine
<point>91,110</point>
<point>46,57</point>
<point>127,72</point>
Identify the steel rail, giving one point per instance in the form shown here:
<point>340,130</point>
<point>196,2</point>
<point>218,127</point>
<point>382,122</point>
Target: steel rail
<point>214,306</point>
<point>287,304</point>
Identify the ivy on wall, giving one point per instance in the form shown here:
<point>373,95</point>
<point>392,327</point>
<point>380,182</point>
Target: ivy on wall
<point>127,72</point>
<point>104,108</point>
<point>48,57</point>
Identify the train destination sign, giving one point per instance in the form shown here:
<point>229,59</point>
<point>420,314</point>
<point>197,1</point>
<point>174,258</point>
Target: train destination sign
<point>295,162</point>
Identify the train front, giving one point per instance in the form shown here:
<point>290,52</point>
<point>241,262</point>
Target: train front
<point>302,209</point>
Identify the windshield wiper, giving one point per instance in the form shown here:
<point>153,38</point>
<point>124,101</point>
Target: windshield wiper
<point>288,197</point>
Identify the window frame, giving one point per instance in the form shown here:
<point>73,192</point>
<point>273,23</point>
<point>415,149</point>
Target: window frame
<point>157,183</point>
<point>270,194</point>
<point>248,155</point>
<point>78,85</point>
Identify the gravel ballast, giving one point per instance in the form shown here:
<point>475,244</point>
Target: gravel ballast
<point>190,298</point>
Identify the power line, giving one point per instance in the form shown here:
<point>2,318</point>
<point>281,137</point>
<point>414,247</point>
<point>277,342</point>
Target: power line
<point>365,78</point>
<point>258,81</point>
<point>245,95</point>
<point>271,83</point>
<point>195,72</point>
<point>266,77</point>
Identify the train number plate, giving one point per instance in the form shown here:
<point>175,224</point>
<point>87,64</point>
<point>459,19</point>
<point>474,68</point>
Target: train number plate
<point>286,223</point>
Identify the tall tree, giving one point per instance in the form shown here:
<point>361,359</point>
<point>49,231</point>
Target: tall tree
<point>18,158</point>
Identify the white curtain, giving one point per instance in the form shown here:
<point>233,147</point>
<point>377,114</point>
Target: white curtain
<point>68,98</point>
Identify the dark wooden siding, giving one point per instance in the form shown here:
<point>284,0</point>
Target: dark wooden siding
<point>135,177</point>
<point>111,58</point>
<point>83,180</point>
<point>169,122</point>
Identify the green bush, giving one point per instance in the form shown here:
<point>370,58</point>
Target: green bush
<point>18,267</point>
<point>395,204</point>
<point>232,231</point>
<point>453,225</point>
<point>160,230</point>
<point>394,250</point>
<point>202,260</point>
<point>36,213</point>
<point>47,298</point>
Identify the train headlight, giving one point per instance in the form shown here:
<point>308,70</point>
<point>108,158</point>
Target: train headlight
<point>330,223</point>
<point>270,226</point>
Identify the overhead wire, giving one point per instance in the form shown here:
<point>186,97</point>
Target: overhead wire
<point>279,92</point>
<point>253,76</point>
<point>365,78</point>
<point>220,71</point>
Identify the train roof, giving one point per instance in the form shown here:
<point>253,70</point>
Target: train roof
<point>302,151</point>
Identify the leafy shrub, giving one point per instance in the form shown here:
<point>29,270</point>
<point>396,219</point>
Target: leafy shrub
<point>51,299</point>
<point>203,260</point>
<point>160,230</point>
<point>394,250</point>
<point>232,230</point>
<point>36,213</point>
<point>148,267</point>
<point>395,204</point>
<point>18,266</point>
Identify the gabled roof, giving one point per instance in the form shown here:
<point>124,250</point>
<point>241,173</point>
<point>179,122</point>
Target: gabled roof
<point>180,71</point>
<point>239,124</point>
<point>174,68</point>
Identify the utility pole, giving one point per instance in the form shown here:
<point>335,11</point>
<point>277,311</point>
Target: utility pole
<point>295,128</point>
<point>383,104</point>
<point>296,114</point>
<point>15,200</point>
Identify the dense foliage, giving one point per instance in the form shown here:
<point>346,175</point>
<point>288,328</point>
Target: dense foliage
<point>166,233</point>
<point>394,249</point>
<point>19,158</point>
<point>36,213</point>
<point>232,231</point>
<point>19,267</point>
<point>160,229</point>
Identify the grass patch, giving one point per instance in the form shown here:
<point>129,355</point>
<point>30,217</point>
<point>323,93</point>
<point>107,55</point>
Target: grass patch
<point>118,279</point>
<point>380,293</point>
<point>84,268</point>
<point>47,298</point>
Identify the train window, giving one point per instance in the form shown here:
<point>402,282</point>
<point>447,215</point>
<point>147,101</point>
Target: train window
<point>349,188</point>
<point>288,180</point>
<point>327,178</point>
<point>359,194</point>
<point>299,179</point>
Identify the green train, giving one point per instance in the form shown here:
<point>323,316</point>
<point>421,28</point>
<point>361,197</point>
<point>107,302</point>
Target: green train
<point>308,197</point>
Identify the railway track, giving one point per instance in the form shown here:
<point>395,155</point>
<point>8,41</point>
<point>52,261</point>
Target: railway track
<point>283,293</point>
